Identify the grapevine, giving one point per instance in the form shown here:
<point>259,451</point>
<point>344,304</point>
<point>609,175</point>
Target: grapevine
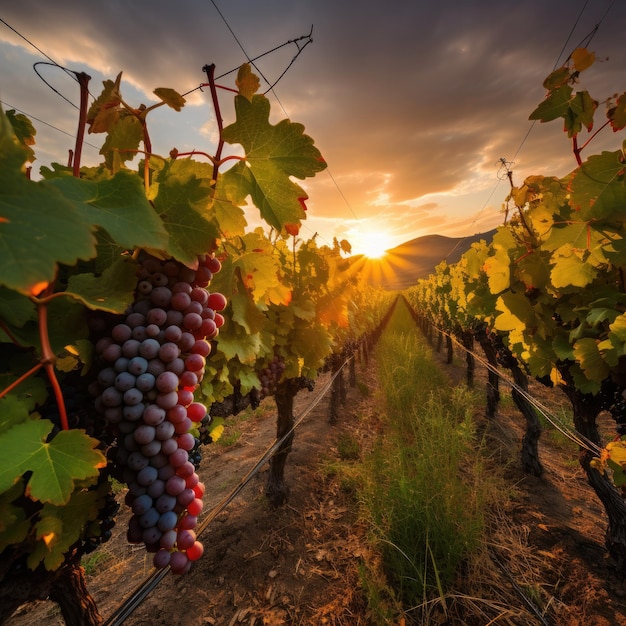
<point>550,283</point>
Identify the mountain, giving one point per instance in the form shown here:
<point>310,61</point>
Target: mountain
<point>403,265</point>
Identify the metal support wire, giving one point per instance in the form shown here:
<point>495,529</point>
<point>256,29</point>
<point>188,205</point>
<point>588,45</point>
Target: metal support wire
<point>570,433</point>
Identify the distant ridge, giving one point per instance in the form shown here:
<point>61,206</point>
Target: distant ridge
<point>418,258</point>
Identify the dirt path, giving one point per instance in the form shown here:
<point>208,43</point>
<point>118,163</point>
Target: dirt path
<point>298,565</point>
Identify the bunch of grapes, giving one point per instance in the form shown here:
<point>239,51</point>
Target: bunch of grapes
<point>152,362</point>
<point>270,375</point>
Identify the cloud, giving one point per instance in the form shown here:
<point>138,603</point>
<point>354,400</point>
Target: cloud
<point>411,103</point>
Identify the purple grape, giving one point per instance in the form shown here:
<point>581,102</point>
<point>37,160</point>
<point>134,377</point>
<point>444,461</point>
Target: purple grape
<point>121,365</point>
<point>145,381</point>
<point>156,316</point>
<point>154,415</point>
<point>166,382</point>
<point>162,557</point>
<point>161,297</point>
<point>124,381</point>
<point>147,475</point>
<point>151,449</point>
<point>133,396</point>
<point>133,413</point>
<point>151,536</point>
<point>137,461</point>
<point>138,365</point>
<point>167,521</point>
<point>130,348</point>
<point>149,348</point>
<point>144,434</point>
<point>165,502</point>
<point>111,397</point>
<point>106,377</point>
<point>168,351</point>
<point>150,518</point>
<point>142,504</point>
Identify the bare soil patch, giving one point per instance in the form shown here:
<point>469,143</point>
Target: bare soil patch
<point>299,565</point>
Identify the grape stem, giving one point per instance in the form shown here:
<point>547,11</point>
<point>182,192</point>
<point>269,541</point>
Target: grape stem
<point>210,72</point>
<point>47,360</point>
<point>7,331</point>
<point>21,379</point>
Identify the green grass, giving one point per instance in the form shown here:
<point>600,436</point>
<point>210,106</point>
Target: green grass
<point>422,482</point>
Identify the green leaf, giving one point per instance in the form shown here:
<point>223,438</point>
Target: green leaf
<point>554,106</point>
<point>182,197</point>
<point>14,526</point>
<point>122,142</point>
<point>618,329</point>
<point>580,113</point>
<point>273,154</point>
<point>104,111</point>
<point>590,360</point>
<point>515,312</point>
<point>497,268</point>
<point>113,291</point>
<point>172,98</point>
<point>617,114</point>
<point>598,187</point>
<point>55,466</point>
<point>24,132</point>
<point>571,270</point>
<point>118,205</point>
<point>39,228</point>
<point>59,527</point>
<point>15,308</point>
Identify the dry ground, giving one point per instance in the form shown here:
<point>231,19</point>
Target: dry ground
<point>299,565</point>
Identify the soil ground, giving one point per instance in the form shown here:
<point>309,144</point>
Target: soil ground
<point>299,565</point>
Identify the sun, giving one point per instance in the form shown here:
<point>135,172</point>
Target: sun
<point>371,244</point>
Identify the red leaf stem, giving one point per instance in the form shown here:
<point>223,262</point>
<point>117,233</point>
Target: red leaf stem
<point>47,360</point>
<point>21,379</point>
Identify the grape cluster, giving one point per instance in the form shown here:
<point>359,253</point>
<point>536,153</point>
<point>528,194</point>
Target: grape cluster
<point>270,375</point>
<point>152,362</point>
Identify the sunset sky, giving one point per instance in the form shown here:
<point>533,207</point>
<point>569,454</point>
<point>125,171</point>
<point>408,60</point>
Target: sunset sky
<point>412,103</point>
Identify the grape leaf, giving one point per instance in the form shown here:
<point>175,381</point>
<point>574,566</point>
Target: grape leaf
<point>570,269</point>
<point>104,111</point>
<point>112,291</point>
<point>598,187</point>
<point>580,113</point>
<point>15,308</point>
<point>60,526</point>
<point>617,114</point>
<point>273,154</point>
<point>582,59</point>
<point>55,466</point>
<point>122,142</point>
<point>172,98</point>
<point>118,205</point>
<point>554,106</point>
<point>182,196</point>
<point>30,392</point>
<point>590,360</point>
<point>14,526</point>
<point>497,268</point>
<point>24,131</point>
<point>247,82</point>
<point>39,228</point>
<point>245,313</point>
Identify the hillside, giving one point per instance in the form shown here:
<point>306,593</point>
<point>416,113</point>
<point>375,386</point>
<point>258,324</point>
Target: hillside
<point>403,265</point>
